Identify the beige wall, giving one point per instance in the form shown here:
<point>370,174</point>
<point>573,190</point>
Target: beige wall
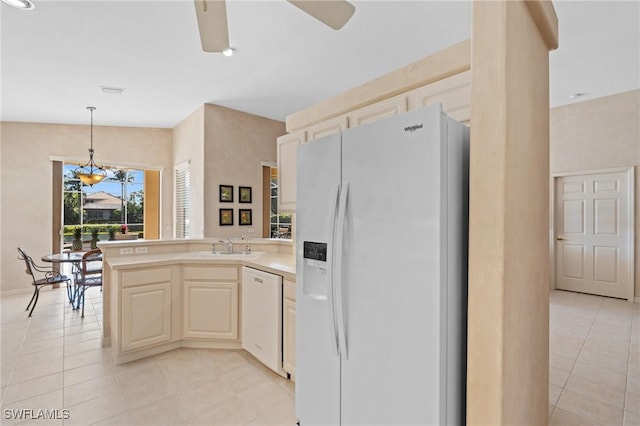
<point>224,147</point>
<point>508,316</point>
<point>26,152</point>
<point>188,145</point>
<point>235,145</point>
<point>599,134</point>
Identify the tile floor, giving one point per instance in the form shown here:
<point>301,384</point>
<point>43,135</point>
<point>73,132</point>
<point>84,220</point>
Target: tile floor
<point>54,361</point>
<point>594,360</point>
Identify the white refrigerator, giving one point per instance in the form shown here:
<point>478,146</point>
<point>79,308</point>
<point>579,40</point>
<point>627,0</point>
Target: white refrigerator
<point>381,252</point>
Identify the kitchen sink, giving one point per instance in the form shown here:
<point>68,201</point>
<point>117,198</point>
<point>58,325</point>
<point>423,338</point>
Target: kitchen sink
<point>223,255</point>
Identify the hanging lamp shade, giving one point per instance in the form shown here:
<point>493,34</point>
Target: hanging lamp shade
<point>91,173</point>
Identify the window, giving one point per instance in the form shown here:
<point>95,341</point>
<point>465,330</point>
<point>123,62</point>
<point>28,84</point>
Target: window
<point>280,223</point>
<point>183,200</point>
<point>117,200</point>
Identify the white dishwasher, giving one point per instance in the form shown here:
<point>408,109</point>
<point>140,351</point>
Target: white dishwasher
<point>262,317</point>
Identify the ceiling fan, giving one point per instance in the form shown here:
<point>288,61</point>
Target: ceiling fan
<point>212,18</point>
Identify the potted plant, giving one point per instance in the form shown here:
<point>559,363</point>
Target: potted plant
<point>76,244</point>
<point>112,233</point>
<point>94,237</point>
<point>123,235</point>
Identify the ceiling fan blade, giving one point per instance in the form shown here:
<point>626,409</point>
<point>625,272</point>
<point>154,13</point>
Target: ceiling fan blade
<point>334,13</point>
<point>212,22</point>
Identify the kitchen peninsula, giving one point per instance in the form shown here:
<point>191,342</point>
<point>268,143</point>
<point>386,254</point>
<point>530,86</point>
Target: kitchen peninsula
<point>165,294</point>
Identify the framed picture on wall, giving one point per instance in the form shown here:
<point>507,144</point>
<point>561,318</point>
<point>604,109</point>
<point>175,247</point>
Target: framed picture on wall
<point>245,194</point>
<point>244,216</point>
<point>226,193</point>
<point>226,217</point>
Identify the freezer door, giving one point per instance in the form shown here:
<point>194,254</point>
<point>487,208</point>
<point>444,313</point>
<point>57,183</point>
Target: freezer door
<point>393,271</point>
<point>317,361</point>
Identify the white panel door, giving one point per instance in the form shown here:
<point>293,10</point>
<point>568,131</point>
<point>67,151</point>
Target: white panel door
<point>593,234</point>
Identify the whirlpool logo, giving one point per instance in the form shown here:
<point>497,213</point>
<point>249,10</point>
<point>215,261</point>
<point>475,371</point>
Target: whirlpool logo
<point>413,128</point>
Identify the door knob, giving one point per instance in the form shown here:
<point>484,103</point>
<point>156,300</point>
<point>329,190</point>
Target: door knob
<point>560,239</point>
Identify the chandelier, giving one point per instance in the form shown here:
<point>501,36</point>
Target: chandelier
<point>91,173</point>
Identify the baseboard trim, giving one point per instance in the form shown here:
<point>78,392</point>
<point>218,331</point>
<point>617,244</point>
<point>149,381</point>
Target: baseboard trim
<point>25,290</point>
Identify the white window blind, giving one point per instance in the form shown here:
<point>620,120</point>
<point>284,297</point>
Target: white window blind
<point>183,200</point>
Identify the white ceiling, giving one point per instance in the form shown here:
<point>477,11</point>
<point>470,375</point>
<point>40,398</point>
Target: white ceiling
<point>55,57</point>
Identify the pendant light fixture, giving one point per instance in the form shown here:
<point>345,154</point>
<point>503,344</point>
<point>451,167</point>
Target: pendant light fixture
<point>91,173</point>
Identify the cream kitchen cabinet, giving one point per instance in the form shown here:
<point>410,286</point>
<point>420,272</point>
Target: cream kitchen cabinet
<point>286,150</point>
<point>378,111</point>
<point>289,328</point>
<point>287,145</point>
<point>146,308</point>
<point>454,93</point>
<point>210,308</point>
<point>326,128</point>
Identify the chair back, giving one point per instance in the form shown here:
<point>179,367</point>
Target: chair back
<point>91,265</point>
<point>28,263</point>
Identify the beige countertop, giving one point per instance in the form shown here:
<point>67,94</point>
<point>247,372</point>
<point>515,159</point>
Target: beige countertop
<point>276,263</point>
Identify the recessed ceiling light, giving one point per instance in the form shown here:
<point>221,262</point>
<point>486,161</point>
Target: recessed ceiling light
<point>20,4</point>
<point>112,90</point>
<point>578,95</point>
<point>229,51</point>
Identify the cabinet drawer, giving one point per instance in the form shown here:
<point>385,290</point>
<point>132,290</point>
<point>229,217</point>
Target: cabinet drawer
<point>227,273</point>
<point>289,290</point>
<point>146,276</point>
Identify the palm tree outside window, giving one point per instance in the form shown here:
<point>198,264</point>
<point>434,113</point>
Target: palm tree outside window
<point>123,177</point>
<point>116,201</point>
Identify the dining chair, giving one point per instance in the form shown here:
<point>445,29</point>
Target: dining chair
<point>90,275</point>
<point>41,276</point>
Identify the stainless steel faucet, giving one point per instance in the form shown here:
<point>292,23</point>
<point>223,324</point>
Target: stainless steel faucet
<point>247,249</point>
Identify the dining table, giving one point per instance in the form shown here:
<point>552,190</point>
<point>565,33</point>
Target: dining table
<point>75,259</point>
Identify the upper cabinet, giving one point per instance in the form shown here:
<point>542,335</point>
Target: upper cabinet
<point>287,145</point>
<point>379,110</point>
<point>328,127</point>
<point>454,93</point>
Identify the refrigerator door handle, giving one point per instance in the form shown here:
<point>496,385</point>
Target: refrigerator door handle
<point>339,292</point>
<point>335,345</point>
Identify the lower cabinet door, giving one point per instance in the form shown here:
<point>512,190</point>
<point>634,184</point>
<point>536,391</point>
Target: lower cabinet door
<point>289,336</point>
<point>210,310</point>
<point>146,315</point>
